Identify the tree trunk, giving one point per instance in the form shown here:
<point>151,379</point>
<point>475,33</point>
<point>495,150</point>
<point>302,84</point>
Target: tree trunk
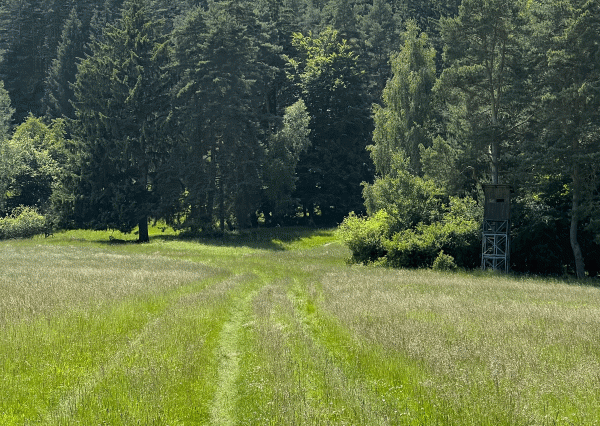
<point>579,264</point>
<point>212,188</point>
<point>495,154</point>
<point>221,205</point>
<point>143,231</point>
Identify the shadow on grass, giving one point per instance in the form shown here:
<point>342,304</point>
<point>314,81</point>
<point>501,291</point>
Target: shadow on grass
<point>274,239</point>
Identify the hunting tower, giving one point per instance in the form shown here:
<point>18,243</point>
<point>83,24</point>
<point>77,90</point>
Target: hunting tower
<point>495,247</point>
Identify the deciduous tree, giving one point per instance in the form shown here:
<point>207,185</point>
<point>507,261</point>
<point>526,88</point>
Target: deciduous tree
<point>402,124</point>
<point>326,73</point>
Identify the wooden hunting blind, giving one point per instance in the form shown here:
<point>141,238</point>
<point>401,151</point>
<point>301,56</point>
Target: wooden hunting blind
<point>495,250</point>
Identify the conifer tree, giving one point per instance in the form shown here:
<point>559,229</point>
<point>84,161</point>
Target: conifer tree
<point>482,79</point>
<point>217,51</point>
<point>59,94</point>
<point>31,35</point>
<point>122,106</point>
<point>379,36</point>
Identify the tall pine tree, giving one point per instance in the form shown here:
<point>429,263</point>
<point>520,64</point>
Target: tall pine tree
<point>218,51</point>
<point>569,111</point>
<point>483,76</point>
<point>59,93</point>
<point>122,106</point>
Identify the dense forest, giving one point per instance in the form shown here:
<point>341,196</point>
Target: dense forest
<point>386,116</point>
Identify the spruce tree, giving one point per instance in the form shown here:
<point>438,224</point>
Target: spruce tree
<point>31,35</point>
<point>379,38</point>
<point>122,106</point>
<point>59,93</point>
<point>482,79</point>
<point>217,52</point>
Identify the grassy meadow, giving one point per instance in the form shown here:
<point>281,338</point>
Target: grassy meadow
<point>274,328</point>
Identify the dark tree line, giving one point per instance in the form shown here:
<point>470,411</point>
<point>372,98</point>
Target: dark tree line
<point>215,114</point>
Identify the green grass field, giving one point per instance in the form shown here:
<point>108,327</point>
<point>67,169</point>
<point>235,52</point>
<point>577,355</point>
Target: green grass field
<point>274,328</point>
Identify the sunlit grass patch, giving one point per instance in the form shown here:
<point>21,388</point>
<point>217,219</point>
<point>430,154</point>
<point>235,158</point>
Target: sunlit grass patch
<point>46,280</point>
<point>67,312</point>
<point>496,348</point>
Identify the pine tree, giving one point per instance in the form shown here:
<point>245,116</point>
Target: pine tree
<point>122,105</point>
<point>379,35</point>
<point>483,75</point>
<point>59,94</point>
<point>217,52</point>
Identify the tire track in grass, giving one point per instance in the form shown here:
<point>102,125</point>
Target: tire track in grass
<point>300,380</point>
<point>372,399</point>
<point>225,399</point>
<point>70,403</point>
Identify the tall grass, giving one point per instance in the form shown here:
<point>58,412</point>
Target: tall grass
<point>274,328</point>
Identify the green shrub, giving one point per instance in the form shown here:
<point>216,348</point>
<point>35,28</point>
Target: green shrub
<point>378,239</point>
<point>24,222</point>
<point>419,247</point>
<point>444,262</point>
<point>365,236</point>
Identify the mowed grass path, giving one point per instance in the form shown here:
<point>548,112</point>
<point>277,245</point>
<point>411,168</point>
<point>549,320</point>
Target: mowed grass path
<point>274,328</point>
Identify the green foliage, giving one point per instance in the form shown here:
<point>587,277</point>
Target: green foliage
<point>402,124</point>
<point>408,198</point>
<point>444,262</point>
<point>382,239</point>
<point>283,154</point>
<point>366,236</point>
<point>23,222</point>
<point>441,163</point>
<point>6,113</point>
<point>31,165</point>
<point>456,235</point>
